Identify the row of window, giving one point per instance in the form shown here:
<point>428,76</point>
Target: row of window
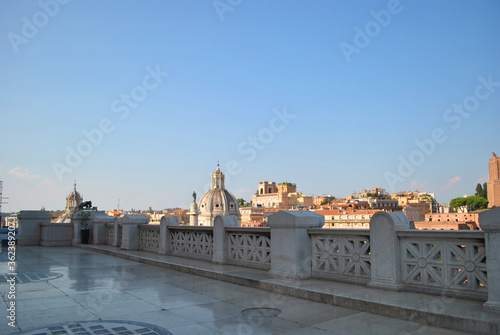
<point>218,206</point>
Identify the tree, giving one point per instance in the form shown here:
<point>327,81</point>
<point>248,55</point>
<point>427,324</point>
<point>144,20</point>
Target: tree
<point>479,190</point>
<point>457,202</point>
<point>482,191</point>
<point>241,201</point>
<point>476,202</point>
<point>324,202</point>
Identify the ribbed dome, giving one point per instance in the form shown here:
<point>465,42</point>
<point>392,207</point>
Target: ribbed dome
<point>219,201</point>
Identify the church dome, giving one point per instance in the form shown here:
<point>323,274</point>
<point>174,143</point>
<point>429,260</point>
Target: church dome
<point>73,200</point>
<point>217,201</point>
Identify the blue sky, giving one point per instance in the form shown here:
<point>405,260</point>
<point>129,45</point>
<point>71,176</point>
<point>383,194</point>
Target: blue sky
<point>335,96</point>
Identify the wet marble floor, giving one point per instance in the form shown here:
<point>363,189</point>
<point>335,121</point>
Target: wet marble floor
<point>74,291</point>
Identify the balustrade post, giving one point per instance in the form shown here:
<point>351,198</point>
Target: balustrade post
<point>384,249</point>
<point>220,237</point>
<point>290,243</point>
<point>489,221</point>
<point>166,222</point>
<point>130,227</point>
<point>99,227</point>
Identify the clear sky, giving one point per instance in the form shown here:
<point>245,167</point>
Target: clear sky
<point>138,100</point>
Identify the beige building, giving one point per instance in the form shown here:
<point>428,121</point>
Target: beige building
<point>494,183</point>
<point>347,219</point>
<point>281,196</point>
<point>252,216</point>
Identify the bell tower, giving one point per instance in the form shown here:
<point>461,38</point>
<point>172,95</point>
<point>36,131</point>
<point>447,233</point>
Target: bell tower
<point>218,179</point>
<point>494,183</point>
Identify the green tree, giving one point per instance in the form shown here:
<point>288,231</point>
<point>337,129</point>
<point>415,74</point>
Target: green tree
<point>476,202</point>
<point>241,202</point>
<point>324,202</point>
<point>457,202</point>
<point>479,190</point>
<point>482,191</point>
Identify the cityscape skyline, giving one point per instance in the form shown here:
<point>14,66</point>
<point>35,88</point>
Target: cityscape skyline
<point>138,101</point>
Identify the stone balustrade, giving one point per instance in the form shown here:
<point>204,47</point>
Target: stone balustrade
<point>341,254</point>
<point>389,256</point>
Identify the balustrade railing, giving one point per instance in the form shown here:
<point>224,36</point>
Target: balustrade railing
<point>110,230</point>
<point>341,254</point>
<point>249,247</point>
<point>193,242</point>
<point>149,237</point>
<point>447,262</point>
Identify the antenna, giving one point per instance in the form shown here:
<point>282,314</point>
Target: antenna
<point>118,208</point>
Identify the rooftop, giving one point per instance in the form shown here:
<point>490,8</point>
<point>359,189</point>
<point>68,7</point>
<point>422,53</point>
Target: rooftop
<point>105,290</point>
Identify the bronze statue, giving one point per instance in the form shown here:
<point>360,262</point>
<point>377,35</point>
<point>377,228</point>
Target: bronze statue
<point>85,205</point>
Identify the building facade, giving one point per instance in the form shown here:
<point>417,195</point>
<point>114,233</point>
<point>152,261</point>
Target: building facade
<point>450,221</point>
<point>417,211</point>
<point>280,196</point>
<point>347,219</point>
<point>493,184</point>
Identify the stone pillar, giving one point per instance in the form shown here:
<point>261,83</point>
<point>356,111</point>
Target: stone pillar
<point>99,227</point>
<point>290,242</point>
<point>193,214</point>
<point>166,222</point>
<point>29,226</point>
<point>117,240</point>
<point>489,221</point>
<point>130,226</point>
<point>220,237</point>
<point>384,249</point>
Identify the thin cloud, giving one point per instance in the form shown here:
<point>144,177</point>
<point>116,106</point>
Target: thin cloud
<point>25,174</point>
<point>452,182</point>
<point>483,180</point>
<point>244,192</point>
<point>415,185</point>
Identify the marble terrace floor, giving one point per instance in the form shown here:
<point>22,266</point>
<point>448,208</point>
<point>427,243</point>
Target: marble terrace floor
<point>75,291</point>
